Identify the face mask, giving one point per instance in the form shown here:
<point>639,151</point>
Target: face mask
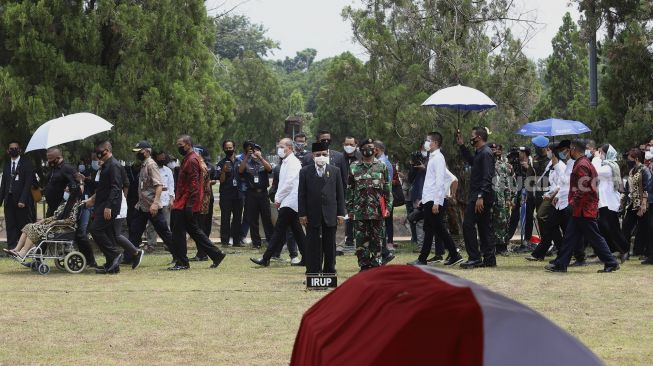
<point>160,163</point>
<point>229,153</point>
<point>424,154</point>
<point>563,156</point>
<point>281,152</point>
<point>326,141</point>
<point>14,153</point>
<point>648,155</point>
<point>100,154</point>
<point>472,141</point>
<point>66,196</point>
<point>367,152</point>
<point>631,164</point>
<point>81,168</point>
<point>181,150</point>
<point>588,153</point>
<point>172,165</point>
<point>53,163</point>
<point>299,146</point>
<point>350,149</point>
<point>321,160</point>
<point>95,165</point>
<point>549,154</point>
<point>140,156</point>
<point>427,145</point>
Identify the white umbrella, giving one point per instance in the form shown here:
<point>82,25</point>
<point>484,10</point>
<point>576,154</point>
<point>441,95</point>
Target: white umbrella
<point>69,128</point>
<point>460,98</point>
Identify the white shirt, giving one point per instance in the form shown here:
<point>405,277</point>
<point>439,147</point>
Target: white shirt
<point>169,183</point>
<point>608,197</point>
<point>123,208</point>
<point>450,179</point>
<point>436,182</point>
<point>556,182</point>
<point>288,190</point>
<point>564,180</point>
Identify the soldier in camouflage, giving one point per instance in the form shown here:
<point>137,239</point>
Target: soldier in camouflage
<point>505,191</point>
<point>367,187</point>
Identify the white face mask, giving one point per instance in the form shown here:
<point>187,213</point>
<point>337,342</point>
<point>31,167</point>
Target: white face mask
<point>66,196</point>
<point>172,165</point>
<point>95,164</point>
<point>549,154</point>
<point>81,168</point>
<point>281,152</point>
<point>349,149</point>
<point>588,153</point>
<point>648,155</point>
<point>321,160</point>
<point>427,145</point>
<point>424,153</point>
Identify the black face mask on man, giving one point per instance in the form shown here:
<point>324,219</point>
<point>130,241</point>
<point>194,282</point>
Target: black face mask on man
<point>141,156</point>
<point>14,152</point>
<point>631,164</point>
<point>229,153</point>
<point>367,152</point>
<point>181,150</point>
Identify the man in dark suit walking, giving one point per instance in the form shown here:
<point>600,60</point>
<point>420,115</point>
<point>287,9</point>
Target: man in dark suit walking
<point>321,182</point>
<point>15,193</point>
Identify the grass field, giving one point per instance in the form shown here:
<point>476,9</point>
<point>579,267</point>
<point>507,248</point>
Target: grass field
<point>242,315</point>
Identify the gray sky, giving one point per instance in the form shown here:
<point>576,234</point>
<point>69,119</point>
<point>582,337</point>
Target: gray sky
<point>300,24</point>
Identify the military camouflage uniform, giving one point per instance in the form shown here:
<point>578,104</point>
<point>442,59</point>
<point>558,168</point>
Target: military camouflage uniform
<point>505,191</point>
<point>367,184</point>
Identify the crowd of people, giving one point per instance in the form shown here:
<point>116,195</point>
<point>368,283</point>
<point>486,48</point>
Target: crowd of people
<point>572,192</point>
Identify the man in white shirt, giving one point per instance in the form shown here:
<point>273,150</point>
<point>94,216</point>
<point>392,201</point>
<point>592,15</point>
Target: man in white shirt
<point>286,202</point>
<point>167,196</point>
<point>434,193</point>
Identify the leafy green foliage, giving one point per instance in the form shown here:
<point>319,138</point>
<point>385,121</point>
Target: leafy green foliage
<point>235,34</point>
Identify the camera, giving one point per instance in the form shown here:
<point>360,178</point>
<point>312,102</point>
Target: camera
<point>250,145</point>
<point>416,158</point>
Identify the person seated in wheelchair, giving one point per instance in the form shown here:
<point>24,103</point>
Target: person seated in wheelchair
<point>64,218</point>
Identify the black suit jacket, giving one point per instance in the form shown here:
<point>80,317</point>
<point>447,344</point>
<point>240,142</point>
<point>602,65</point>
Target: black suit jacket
<point>108,193</point>
<point>21,188</point>
<point>321,198</point>
<point>336,158</point>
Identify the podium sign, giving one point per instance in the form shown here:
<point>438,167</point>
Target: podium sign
<point>321,281</point>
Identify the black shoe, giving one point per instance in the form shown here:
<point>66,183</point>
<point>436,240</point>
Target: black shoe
<point>217,262</point>
<point>115,263</point>
<point>300,264</point>
<point>260,262</point>
<point>199,259</point>
<point>417,262</point>
<point>554,268</point>
<point>103,270</point>
<point>609,269</point>
<point>503,253</point>
<point>92,265</point>
<point>649,260</point>
<point>436,258</point>
<point>178,267</point>
<point>452,261</point>
<point>138,259</point>
<point>578,263</point>
<point>470,264</point>
<point>387,259</point>
<point>489,263</point>
<point>238,245</point>
<point>532,258</point>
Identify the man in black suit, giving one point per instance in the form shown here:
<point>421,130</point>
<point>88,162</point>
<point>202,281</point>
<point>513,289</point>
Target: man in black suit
<point>16,194</point>
<point>61,175</point>
<point>336,158</point>
<point>321,182</point>
<point>107,200</point>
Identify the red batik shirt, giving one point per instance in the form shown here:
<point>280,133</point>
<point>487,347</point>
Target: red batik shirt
<point>583,195</point>
<point>190,187</point>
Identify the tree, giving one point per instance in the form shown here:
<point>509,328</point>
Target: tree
<point>145,66</point>
<point>301,62</point>
<point>235,35</point>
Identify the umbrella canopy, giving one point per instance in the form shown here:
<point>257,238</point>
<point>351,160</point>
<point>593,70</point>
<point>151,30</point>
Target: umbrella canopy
<point>403,315</point>
<point>461,98</point>
<point>553,127</point>
<point>69,128</point>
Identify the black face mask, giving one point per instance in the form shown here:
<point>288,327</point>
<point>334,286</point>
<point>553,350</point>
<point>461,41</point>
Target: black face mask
<point>631,164</point>
<point>160,163</point>
<point>229,153</point>
<point>53,163</point>
<point>14,153</point>
<point>100,154</point>
<point>472,141</point>
<point>367,152</point>
<point>140,156</point>
<point>182,150</point>
<point>327,142</point>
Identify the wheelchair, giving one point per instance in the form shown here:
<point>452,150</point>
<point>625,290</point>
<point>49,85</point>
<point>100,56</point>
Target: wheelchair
<point>59,246</point>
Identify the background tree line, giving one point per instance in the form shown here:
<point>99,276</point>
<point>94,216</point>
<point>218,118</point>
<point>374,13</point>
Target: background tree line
<point>157,69</point>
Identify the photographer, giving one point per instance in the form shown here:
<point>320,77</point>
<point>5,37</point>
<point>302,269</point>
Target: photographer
<point>416,175</point>
<point>520,160</point>
<point>255,170</point>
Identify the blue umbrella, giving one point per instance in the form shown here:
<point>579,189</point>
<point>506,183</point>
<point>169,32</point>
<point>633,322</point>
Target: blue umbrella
<point>553,127</point>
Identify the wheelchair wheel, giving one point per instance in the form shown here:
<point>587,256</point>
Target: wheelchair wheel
<point>75,262</point>
<point>35,265</point>
<point>59,263</point>
<point>44,269</point>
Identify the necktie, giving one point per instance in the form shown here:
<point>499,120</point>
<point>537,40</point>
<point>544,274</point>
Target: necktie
<point>320,172</point>
<point>13,176</point>
<point>13,168</point>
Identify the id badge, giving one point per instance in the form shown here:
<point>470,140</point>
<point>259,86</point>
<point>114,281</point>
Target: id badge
<point>256,180</point>
<point>17,177</point>
<point>235,183</point>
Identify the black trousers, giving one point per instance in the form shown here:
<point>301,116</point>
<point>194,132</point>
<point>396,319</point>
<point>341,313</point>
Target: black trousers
<point>320,249</point>
<point>515,216</point>
<point>104,234</point>
<point>435,224</point>
<point>389,228</point>
<point>15,219</point>
<point>258,204</point>
<point>186,222</point>
<point>206,220</point>
<point>632,222</point>
<point>291,243</point>
<point>85,247</point>
<point>413,225</point>
<point>288,218</point>
<point>231,214</point>
<point>553,228</point>
<point>611,230</point>
<point>139,223</point>
<point>483,221</point>
<point>580,228</point>
<point>129,249</point>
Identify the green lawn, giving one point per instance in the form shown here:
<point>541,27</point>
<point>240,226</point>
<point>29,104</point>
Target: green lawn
<point>239,314</point>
